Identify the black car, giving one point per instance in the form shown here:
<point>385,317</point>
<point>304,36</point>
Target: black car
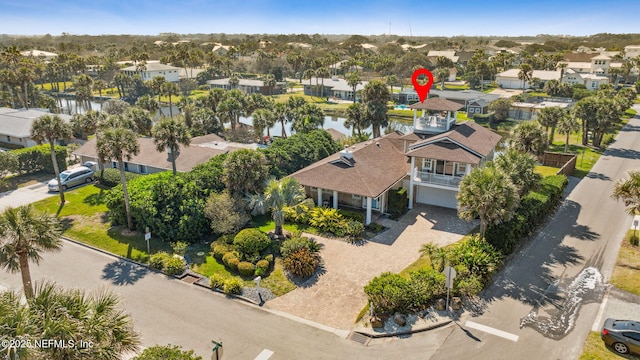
<point>622,335</point>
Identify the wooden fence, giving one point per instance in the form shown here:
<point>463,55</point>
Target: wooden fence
<point>566,162</point>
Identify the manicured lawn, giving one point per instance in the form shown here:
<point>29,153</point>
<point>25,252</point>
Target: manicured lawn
<point>546,170</point>
<point>266,224</point>
<point>626,273</point>
<point>587,157</point>
<point>85,219</point>
<point>48,86</point>
<point>595,349</point>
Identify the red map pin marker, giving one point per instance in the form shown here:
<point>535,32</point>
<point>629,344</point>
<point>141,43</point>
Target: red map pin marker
<point>422,90</point>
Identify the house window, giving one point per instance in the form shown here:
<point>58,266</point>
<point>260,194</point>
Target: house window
<point>462,169</point>
<point>8,138</point>
<point>126,166</point>
<point>427,165</point>
<point>356,197</point>
<point>114,164</point>
<point>142,169</point>
<point>314,189</point>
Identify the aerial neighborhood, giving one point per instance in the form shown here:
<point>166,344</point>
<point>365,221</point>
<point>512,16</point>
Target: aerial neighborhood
<point>305,176</point>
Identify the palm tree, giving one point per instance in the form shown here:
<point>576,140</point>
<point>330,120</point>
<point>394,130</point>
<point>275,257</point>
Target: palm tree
<point>487,193</point>
<point>309,74</point>
<point>628,190</point>
<point>353,80</point>
<point>51,129</point>
<point>277,195</point>
<point>99,85</point>
<point>169,134</point>
<point>280,111</point>
<point>568,125</point>
<point>263,119</point>
<point>520,168</point>
<point>529,137</point>
<point>525,74</point>
<point>67,315</point>
<point>549,118</point>
<point>170,89</point>
<point>437,256</point>
<point>119,143</point>
<point>356,118</point>
<point>310,117</point>
<point>375,96</point>
<point>24,236</point>
<point>322,72</point>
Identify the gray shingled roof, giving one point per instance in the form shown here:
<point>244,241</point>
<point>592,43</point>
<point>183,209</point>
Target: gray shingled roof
<point>17,122</point>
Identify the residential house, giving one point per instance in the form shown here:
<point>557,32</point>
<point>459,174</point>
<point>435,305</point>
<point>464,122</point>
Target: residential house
<point>153,69</point>
<point>15,125</point>
<point>149,160</point>
<point>474,102</point>
<point>631,51</point>
<point>46,55</point>
<point>591,81</point>
<point>528,111</point>
<point>430,162</point>
<point>509,79</point>
<point>220,49</point>
<point>432,55</point>
<point>333,87</point>
<point>250,86</point>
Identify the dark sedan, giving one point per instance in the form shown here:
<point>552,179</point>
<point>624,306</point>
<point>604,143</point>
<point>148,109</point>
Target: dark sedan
<point>622,335</point>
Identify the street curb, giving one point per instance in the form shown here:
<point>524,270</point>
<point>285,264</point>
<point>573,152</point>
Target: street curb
<point>405,332</point>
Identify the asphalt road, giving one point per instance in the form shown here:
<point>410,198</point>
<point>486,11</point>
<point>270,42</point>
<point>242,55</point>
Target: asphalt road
<point>169,311</point>
<point>542,284</point>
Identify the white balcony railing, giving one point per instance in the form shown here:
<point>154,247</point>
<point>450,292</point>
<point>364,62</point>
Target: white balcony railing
<point>432,123</point>
<point>438,179</point>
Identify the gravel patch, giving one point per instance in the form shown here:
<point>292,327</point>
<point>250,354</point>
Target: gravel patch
<point>252,294</point>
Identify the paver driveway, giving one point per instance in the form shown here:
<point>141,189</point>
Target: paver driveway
<point>336,295</point>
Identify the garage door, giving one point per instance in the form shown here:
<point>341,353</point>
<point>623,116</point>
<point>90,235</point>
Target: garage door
<point>510,83</point>
<point>438,197</point>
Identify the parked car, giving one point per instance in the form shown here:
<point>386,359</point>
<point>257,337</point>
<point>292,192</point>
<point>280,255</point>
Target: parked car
<point>72,177</point>
<point>622,335</point>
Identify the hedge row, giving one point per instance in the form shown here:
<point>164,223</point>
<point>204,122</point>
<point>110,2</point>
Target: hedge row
<point>391,292</point>
<point>535,206</point>
<point>37,159</point>
<point>111,177</point>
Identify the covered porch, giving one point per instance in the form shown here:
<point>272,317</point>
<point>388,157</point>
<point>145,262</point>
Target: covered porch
<point>336,200</point>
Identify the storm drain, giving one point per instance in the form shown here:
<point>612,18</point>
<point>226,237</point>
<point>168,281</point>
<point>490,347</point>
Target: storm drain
<point>359,338</point>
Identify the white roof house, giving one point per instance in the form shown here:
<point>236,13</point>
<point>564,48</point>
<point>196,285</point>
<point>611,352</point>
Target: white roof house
<point>152,69</point>
<point>15,125</point>
<point>631,51</point>
<point>450,54</point>
<point>509,79</point>
<point>48,56</point>
<point>589,80</point>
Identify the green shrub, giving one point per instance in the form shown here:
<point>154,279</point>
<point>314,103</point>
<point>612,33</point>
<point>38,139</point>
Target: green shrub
<point>269,258</point>
<point>260,272</point>
<point>231,260</point>
<point>226,239</point>
<point>296,243</point>
<point>216,281</point>
<point>425,286</point>
<point>37,159</point>
<point>350,214</point>
<point>174,265</point>
<point>398,200</point>
<point>327,219</point>
<point>250,241</point>
<point>633,239</point>
<point>389,293</point>
<point>246,268</point>
<point>477,256</point>
<point>232,286</point>
<point>218,250</point>
<point>262,266</point>
<point>301,263</point>
<point>111,177</point>
<point>179,247</point>
<point>353,229</point>
<point>158,260</point>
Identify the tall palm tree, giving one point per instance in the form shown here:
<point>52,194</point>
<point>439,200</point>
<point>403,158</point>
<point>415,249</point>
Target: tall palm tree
<point>310,117</point>
<point>263,119</point>
<point>169,134</point>
<point>628,190</point>
<point>119,143</point>
<point>280,111</point>
<point>549,118</point>
<point>525,74</point>
<point>529,137</point>
<point>520,167</point>
<point>99,85</point>
<point>24,236</point>
<point>487,193</point>
<point>170,89</point>
<point>51,129</point>
<point>375,96</point>
<point>356,119</point>
<point>277,195</point>
<point>353,80</point>
<point>568,125</point>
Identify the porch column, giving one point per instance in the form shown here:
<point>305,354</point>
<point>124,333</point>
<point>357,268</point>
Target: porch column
<point>368,218</point>
<point>413,164</point>
<point>381,202</point>
<point>335,199</point>
<point>319,197</point>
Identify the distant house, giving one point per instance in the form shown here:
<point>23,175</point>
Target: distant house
<point>151,70</point>
<point>220,49</point>
<point>333,87</point>
<point>509,79</point>
<point>336,135</point>
<point>528,111</point>
<point>430,162</point>
<point>589,80</point>
<point>150,160</point>
<point>250,86</point>
<point>449,54</point>
<point>15,125</point>
<point>631,51</point>
<point>472,100</point>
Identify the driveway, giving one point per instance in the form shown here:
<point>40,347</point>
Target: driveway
<point>335,296</point>
<point>24,195</point>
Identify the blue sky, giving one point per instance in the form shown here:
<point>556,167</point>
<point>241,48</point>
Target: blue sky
<point>373,17</point>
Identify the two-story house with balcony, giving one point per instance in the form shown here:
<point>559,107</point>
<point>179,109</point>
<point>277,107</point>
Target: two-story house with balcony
<point>430,162</point>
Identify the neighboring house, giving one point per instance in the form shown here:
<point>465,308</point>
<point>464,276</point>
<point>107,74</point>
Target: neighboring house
<point>333,87</point>
<point>220,49</point>
<point>15,125</point>
<point>528,111</point>
<point>631,51</point>
<point>149,160</point>
<point>250,86</point>
<point>152,69</point>
<point>479,99</point>
<point>449,54</point>
<point>336,135</point>
<point>430,162</point>
<point>509,79</point>
<point>589,80</point>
